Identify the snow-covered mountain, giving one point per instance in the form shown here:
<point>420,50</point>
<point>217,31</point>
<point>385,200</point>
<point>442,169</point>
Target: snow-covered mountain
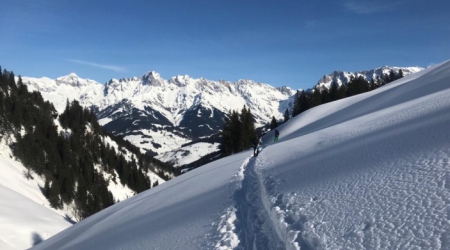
<point>366,172</point>
<point>342,77</point>
<point>160,115</point>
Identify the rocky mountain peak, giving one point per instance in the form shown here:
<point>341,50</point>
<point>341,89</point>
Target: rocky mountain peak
<point>152,78</point>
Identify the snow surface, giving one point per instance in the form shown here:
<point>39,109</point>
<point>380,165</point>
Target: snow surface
<point>367,172</point>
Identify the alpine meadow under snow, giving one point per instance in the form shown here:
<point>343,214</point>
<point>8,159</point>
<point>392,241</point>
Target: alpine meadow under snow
<point>369,171</point>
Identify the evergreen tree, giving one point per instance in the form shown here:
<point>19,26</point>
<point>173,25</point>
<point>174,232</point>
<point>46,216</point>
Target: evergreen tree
<point>357,86</point>
<point>316,97</point>
<point>273,123</point>
<point>325,93</point>
<point>392,76</point>
<point>400,74</point>
<point>342,92</point>
<point>238,131</point>
<point>297,104</point>
<point>304,102</point>
<point>372,85</point>
<point>334,88</point>
<point>236,127</point>
<point>248,127</point>
<point>286,115</point>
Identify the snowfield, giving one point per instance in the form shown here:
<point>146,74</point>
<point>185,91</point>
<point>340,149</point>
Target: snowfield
<point>367,172</point>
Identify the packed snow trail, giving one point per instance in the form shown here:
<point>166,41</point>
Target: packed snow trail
<point>254,223</point>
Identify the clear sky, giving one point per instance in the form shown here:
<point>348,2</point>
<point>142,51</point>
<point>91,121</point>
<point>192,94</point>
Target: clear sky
<point>278,42</point>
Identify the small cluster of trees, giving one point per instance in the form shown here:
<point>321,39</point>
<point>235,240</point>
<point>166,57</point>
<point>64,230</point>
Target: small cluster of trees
<point>72,161</point>
<point>238,131</point>
<point>319,95</point>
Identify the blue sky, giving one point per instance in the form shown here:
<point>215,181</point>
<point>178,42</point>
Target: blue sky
<point>291,43</point>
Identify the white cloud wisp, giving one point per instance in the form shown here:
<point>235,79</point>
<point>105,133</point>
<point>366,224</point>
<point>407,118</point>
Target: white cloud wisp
<point>98,65</point>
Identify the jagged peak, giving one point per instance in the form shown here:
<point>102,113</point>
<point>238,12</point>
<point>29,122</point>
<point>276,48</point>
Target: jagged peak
<point>152,78</point>
<point>151,74</point>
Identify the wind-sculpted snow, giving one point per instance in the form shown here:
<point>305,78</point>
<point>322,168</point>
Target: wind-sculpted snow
<point>367,172</point>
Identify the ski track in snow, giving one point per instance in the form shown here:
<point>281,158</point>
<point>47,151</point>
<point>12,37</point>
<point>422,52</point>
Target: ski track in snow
<point>226,233</point>
<point>247,224</point>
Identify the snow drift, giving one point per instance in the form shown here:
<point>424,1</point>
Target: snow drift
<point>371,171</point>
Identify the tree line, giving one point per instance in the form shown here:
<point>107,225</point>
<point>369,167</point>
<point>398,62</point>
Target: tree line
<point>71,160</point>
<point>304,100</point>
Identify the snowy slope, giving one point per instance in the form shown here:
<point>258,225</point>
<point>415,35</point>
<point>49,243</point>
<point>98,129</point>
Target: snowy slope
<point>26,217</point>
<point>370,171</point>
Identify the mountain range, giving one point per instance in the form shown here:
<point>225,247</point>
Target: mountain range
<point>161,116</point>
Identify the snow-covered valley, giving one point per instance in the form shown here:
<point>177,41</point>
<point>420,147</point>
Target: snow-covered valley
<point>366,172</point>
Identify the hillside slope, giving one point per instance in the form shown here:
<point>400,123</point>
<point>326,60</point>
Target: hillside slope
<point>369,171</point>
